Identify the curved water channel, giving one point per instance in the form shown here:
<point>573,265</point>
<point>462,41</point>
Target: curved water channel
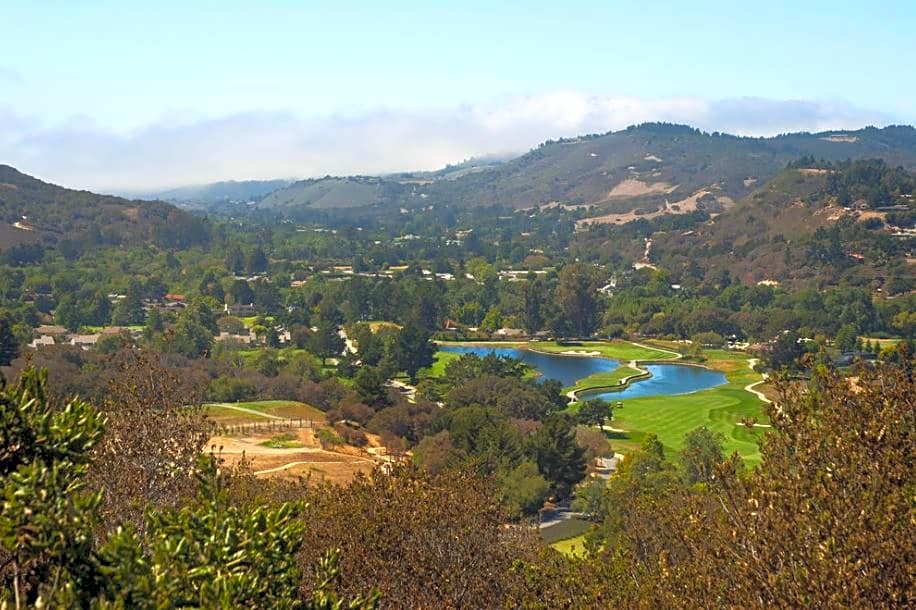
<point>666,379</point>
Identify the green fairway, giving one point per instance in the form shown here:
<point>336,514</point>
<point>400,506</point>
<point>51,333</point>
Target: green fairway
<point>720,409</point>
<point>278,408</point>
<point>564,530</point>
<point>571,547</point>
<point>440,361</point>
<point>617,350</point>
<point>604,379</point>
<point>225,415</point>
<point>283,441</point>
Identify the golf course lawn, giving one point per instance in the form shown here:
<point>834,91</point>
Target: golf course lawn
<point>720,409</point>
<point>571,547</point>
<point>278,408</point>
<point>617,350</point>
<point>604,380</point>
<point>440,361</point>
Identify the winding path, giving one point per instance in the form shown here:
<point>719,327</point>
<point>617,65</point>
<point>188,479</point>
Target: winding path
<point>302,463</point>
<point>229,405</point>
<point>752,362</point>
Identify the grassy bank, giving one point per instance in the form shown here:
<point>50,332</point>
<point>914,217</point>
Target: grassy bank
<point>604,379</point>
<point>616,350</point>
<point>720,409</point>
<point>224,413</point>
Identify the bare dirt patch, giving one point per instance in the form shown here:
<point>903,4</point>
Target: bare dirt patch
<point>811,171</point>
<point>309,459</point>
<point>841,138</point>
<point>638,188</point>
<point>682,206</point>
<point>867,214</point>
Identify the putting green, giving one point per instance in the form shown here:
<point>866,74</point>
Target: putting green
<point>720,409</point>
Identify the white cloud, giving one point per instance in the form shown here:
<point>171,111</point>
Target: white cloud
<point>173,152</point>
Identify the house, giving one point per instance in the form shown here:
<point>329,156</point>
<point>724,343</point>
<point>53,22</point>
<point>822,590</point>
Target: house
<point>85,341</point>
<point>451,326</point>
<point>225,337</point>
<point>240,310</point>
<point>510,332</point>
<point>605,467</point>
<point>42,341</point>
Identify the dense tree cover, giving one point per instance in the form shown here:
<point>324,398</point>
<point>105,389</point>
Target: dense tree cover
<point>77,221</point>
<point>287,272</point>
<point>822,522</point>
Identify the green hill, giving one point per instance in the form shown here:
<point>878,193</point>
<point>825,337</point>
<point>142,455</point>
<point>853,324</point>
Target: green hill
<point>647,164</point>
<point>336,193</point>
<point>219,193</point>
<point>35,213</point>
<point>650,168</point>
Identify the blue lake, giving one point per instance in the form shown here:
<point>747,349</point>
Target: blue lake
<point>665,379</point>
<point>566,369</point>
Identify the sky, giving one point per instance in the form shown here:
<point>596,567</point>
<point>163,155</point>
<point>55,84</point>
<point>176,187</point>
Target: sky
<point>130,96</point>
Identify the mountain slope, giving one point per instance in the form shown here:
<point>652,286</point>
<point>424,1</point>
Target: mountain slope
<point>806,226</point>
<point>639,168</point>
<point>35,212</point>
<point>653,162</point>
<point>218,193</point>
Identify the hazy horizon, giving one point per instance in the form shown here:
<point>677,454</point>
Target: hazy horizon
<point>173,95</point>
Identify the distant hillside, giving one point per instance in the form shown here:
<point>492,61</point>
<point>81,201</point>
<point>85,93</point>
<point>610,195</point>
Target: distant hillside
<point>335,193</point>
<point>644,166</point>
<point>808,226</point>
<point>35,212</point>
<point>651,168</point>
<point>229,192</point>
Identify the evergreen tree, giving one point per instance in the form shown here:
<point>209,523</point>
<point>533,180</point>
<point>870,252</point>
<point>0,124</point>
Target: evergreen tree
<point>559,457</point>
<point>9,345</point>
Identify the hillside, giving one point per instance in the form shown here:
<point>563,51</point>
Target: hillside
<point>645,165</point>
<point>651,168</point>
<point>331,193</point>
<point>804,227</point>
<point>42,214</point>
<point>219,193</point>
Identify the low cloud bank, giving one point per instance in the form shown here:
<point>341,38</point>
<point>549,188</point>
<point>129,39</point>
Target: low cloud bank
<point>260,145</point>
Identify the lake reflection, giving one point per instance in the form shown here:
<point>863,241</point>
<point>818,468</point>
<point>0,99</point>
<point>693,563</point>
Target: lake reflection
<point>667,379</point>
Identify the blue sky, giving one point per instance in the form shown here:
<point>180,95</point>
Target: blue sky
<point>140,95</point>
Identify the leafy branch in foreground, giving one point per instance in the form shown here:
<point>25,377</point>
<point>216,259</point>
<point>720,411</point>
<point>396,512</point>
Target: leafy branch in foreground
<point>208,554</point>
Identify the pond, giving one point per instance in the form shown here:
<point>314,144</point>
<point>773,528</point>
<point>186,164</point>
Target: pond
<point>566,369</point>
<point>666,379</point>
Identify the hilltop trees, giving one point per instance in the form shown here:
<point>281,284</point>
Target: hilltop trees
<point>416,350</point>
<point>559,457</point>
<point>701,454</point>
<point>575,296</point>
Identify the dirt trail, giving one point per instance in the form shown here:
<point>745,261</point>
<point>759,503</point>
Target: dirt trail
<point>752,362</point>
<point>302,463</point>
<point>229,405</point>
